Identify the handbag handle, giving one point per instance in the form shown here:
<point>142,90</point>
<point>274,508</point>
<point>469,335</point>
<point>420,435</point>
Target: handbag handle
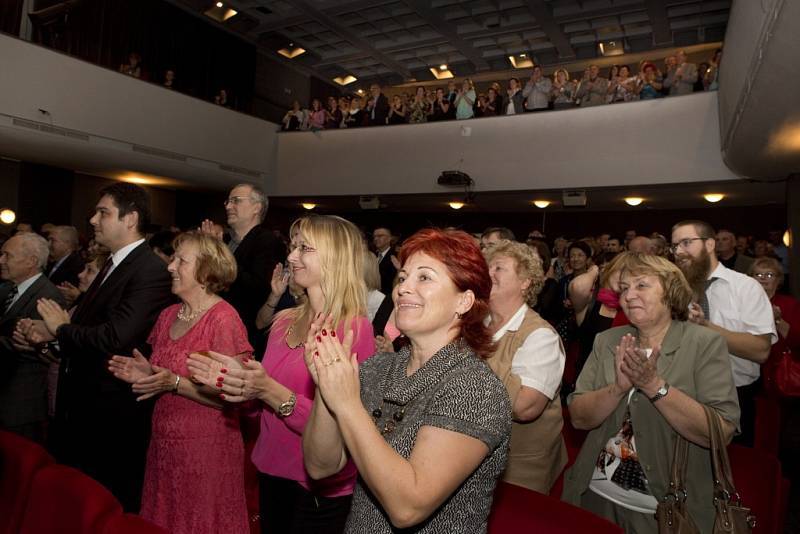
<point>680,457</point>
<point>720,463</point>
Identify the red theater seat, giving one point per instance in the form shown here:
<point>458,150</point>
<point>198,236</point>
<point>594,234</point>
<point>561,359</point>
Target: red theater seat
<point>758,479</point>
<point>65,501</point>
<point>20,459</point>
<point>131,524</point>
<point>520,510</point>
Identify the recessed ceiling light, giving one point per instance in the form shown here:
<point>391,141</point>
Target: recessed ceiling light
<point>521,62</point>
<point>713,197</point>
<point>440,74</point>
<point>220,13</point>
<point>345,80</point>
<point>634,201</point>
<point>442,67</point>
<point>291,51</point>
<point>8,216</point>
<point>220,4</point>
<point>522,55</point>
<point>542,204</point>
<point>456,205</point>
<point>309,205</point>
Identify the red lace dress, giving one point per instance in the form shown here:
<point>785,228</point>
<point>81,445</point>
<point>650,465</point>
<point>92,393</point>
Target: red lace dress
<point>194,480</point>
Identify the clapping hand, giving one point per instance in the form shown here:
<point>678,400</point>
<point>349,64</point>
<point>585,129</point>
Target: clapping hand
<point>336,369</point>
<point>641,370</point>
<point>130,369</point>
<point>696,314</point>
<point>34,331</point>
<point>383,343</point>
<point>52,314</point>
<point>623,382</point>
<point>236,380</point>
<point>69,292</point>
<point>280,280</point>
<point>208,227</point>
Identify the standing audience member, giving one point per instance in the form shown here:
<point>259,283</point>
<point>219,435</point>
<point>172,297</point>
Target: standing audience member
<point>383,240</point>
<point>727,254</point>
<point>327,260</point>
<point>681,80</point>
<point>133,67</point>
<point>419,107</point>
<point>295,118</point>
<point>515,101</point>
<point>380,106</point>
<point>333,115</point>
<point>221,99</point>
<point>161,243</point>
<point>427,427</point>
<point>635,405</point>
<point>465,100</point>
<point>592,91</point>
<point>537,91</point>
<point>65,258</point>
<point>194,481</point>
<point>494,102</point>
<point>256,251</point>
<point>397,112</point>
<point>99,427</point>
<point>355,117</point>
<point>529,359</point>
<point>23,374</point>
<point>731,304</point>
<point>316,115</point>
<point>563,90</point>
<point>649,86</point>
<point>493,235</point>
<point>169,79</point>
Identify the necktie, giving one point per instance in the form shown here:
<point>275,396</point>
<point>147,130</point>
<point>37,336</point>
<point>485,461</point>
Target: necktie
<point>704,301</point>
<point>10,298</point>
<point>92,291</point>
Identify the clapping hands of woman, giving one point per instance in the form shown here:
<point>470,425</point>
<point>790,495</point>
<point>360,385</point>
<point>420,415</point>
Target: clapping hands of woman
<point>147,380</point>
<point>333,366</point>
<point>237,378</point>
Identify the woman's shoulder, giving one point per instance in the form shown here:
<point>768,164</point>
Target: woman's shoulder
<point>612,336</point>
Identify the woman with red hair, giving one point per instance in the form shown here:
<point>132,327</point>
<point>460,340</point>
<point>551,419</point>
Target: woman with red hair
<point>427,427</point>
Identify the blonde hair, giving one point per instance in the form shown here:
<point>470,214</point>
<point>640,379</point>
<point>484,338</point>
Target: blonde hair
<point>372,275</point>
<point>529,265</point>
<point>216,266</point>
<point>566,75</point>
<point>341,249</point>
<point>677,292</point>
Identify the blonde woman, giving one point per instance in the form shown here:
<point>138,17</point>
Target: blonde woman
<point>563,90</point>
<point>529,359</point>
<point>326,260</point>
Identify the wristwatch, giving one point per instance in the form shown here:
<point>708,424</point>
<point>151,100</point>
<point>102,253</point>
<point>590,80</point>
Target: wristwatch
<point>286,408</point>
<point>662,392</point>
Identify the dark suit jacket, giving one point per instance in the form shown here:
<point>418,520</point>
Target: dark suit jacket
<point>100,428</point>
<point>381,111</point>
<point>256,257</point>
<point>67,271</point>
<point>388,272</point>
<point>23,376</point>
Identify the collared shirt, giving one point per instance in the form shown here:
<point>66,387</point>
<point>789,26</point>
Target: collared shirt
<point>539,362</point>
<point>58,263</point>
<point>22,287</point>
<point>382,254</point>
<point>119,256</point>
<point>739,303</point>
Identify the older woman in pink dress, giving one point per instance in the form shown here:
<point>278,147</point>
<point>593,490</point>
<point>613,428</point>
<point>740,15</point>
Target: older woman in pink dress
<point>194,479</point>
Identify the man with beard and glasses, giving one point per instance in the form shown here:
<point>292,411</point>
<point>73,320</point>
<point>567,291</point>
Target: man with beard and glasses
<point>731,304</point>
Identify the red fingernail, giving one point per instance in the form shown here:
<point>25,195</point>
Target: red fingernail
<point>324,332</point>
<point>316,353</point>
<point>220,378</point>
<point>219,384</point>
<point>222,396</point>
<point>333,334</point>
<point>223,370</point>
<point>245,360</point>
<point>319,339</point>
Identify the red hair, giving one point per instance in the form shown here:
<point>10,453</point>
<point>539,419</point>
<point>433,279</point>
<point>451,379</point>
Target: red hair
<point>467,269</point>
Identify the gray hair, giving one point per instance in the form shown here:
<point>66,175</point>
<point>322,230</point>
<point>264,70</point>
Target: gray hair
<point>36,246</point>
<point>257,194</point>
<point>68,234</point>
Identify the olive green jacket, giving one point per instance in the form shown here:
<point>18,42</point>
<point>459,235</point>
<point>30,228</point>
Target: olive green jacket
<point>693,359</point>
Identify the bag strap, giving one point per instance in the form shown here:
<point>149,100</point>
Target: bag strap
<point>680,457</point>
<point>720,463</point>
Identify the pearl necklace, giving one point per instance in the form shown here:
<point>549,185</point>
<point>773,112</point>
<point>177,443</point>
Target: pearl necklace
<point>189,317</point>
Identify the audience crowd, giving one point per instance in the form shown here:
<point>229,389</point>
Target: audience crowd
<point>538,93</point>
<point>377,383</point>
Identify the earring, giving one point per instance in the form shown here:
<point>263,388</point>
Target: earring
<point>459,315</point>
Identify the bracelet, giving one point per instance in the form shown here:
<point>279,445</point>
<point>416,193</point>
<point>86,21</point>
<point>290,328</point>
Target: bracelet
<point>177,381</point>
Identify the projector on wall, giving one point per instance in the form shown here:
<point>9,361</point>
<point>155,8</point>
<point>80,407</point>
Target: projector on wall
<point>455,179</point>
<point>573,198</point>
<point>369,203</point>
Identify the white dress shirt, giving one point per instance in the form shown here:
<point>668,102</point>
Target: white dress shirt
<point>119,256</point>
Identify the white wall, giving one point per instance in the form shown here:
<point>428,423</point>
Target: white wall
<point>670,140</point>
<point>117,111</point>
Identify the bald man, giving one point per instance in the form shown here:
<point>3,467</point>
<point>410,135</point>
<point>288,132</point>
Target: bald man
<point>642,245</point>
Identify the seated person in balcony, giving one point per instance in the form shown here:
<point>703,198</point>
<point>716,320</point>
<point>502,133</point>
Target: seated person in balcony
<point>592,91</point>
<point>563,91</point>
<point>294,119</point>
<point>643,385</point>
<point>537,91</point>
<point>514,102</point>
<point>133,67</point>
<point>529,359</point>
<point>398,111</point>
<point>465,100</point>
<point>681,79</point>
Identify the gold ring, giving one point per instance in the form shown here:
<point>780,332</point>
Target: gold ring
<point>337,359</point>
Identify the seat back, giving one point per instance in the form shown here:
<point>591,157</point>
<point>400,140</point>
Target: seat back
<point>758,479</point>
<point>131,524</point>
<point>517,509</point>
<point>20,459</point>
<point>65,501</point>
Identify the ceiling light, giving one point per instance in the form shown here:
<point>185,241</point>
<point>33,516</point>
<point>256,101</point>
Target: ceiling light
<point>542,204</point>
<point>345,80</point>
<point>442,67</point>
<point>220,13</point>
<point>308,205</point>
<point>360,91</point>
<point>713,197</point>
<point>441,74</point>
<point>521,62</point>
<point>787,236</point>
<point>611,48</point>
<point>220,4</point>
<point>634,201</point>
<point>292,51</point>
<point>7,216</point>
<point>456,205</point>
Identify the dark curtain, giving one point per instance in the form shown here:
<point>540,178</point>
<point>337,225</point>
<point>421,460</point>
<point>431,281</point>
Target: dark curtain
<point>10,16</point>
<point>205,59</point>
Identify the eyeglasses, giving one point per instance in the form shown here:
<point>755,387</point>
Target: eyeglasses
<point>685,243</point>
<point>234,200</point>
<point>769,275</point>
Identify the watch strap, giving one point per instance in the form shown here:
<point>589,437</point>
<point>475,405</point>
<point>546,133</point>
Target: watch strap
<point>661,393</point>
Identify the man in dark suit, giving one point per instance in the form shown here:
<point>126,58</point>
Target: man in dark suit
<point>382,240</point>
<point>23,375</point>
<point>256,251</point>
<point>729,256</point>
<point>66,262</point>
<point>99,426</point>
<point>380,107</point>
